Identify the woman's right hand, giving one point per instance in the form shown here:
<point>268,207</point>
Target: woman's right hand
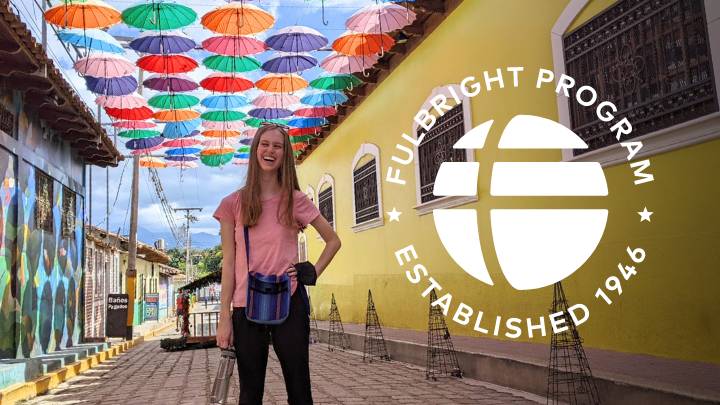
<point>225,333</point>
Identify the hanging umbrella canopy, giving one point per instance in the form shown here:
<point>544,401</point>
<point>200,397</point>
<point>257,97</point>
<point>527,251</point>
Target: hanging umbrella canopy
<point>216,151</point>
<point>380,18</point>
<point>136,114</point>
<point>128,101</point>
<point>182,151</point>
<point>153,162</point>
<point>257,122</point>
<point>182,165</point>
<point>180,129</point>
<point>224,101</point>
<point>223,126</point>
<point>221,143</point>
<point>138,134</point>
<point>304,131</point>
<point>325,98</point>
<point>338,63</point>
<point>248,141</point>
<point>146,151</point>
<point>275,100</point>
<point>299,146</point>
<point>104,65</point>
<point>184,158</point>
<point>315,112</point>
<point>359,43</point>
<point>226,83</point>
<point>339,82</point>
<point>159,15</point>
<point>144,143</point>
<point>163,42</point>
<point>181,143</point>
<point>134,124</point>
<point>307,122</point>
<point>91,39</point>
<point>270,113</point>
<point>234,64</point>
<point>113,86</point>
<point>296,38</point>
<point>238,18</point>
<point>289,63</point>
<point>167,63</point>
<point>301,138</point>
<point>281,83</point>
<point>170,83</point>
<point>82,14</point>
<point>173,101</point>
<point>234,45</point>
<point>216,160</point>
<point>223,115</point>
<point>221,134</point>
<point>175,115</point>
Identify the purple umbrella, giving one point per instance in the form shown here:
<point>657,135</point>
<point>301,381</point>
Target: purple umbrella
<point>112,86</point>
<point>162,42</point>
<point>182,158</point>
<point>270,113</point>
<point>246,141</point>
<point>289,63</point>
<point>144,143</point>
<point>168,83</point>
<point>296,39</point>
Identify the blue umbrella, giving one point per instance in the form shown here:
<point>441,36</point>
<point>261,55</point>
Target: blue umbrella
<point>224,101</point>
<point>325,98</point>
<point>181,158</point>
<point>182,151</point>
<point>292,63</point>
<point>296,39</point>
<point>307,122</point>
<point>163,42</point>
<point>242,155</point>
<point>144,143</point>
<point>181,129</point>
<point>246,141</point>
<point>112,86</point>
<point>94,39</point>
<point>270,113</point>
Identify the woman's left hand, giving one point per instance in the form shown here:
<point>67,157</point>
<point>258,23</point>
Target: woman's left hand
<point>291,272</point>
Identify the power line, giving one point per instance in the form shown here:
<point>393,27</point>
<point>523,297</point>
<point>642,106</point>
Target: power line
<point>165,206</point>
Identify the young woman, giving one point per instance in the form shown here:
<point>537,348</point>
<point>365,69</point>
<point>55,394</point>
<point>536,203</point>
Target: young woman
<point>274,209</point>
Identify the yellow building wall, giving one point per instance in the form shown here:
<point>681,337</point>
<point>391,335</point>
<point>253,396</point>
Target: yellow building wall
<point>668,309</point>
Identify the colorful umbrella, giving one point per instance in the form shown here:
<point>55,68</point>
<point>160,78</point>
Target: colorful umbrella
<point>316,112</point>
<point>92,39</point>
<point>337,63</point>
<point>270,113</point>
<point>224,101</point>
<point>223,126</point>
<point>238,18</point>
<point>132,114</point>
<point>217,151</point>
<point>175,115</point>
<point>216,160</point>
<point>158,15</point>
<point>226,83</point>
<point>180,129</point>
<point>128,101</point>
<point>307,122</point>
<point>359,43</point>
<point>299,146</point>
<point>145,151</point>
<point>325,98</point>
<point>242,155</point>
<point>173,101</point>
<point>167,63</point>
<point>144,143</point>
<point>182,165</point>
<point>240,162</point>
<point>234,64</point>
<point>153,162</point>
<point>380,18</point>
<point>113,86</point>
<point>304,131</point>
<point>138,134</point>
<point>104,65</point>
<point>180,143</point>
<point>301,138</point>
<point>82,14</point>
<point>182,151</point>
<point>234,45</point>
<point>181,158</point>
<point>257,122</point>
<point>163,42</point>
<point>339,82</point>
<point>172,83</point>
<point>222,115</point>
<point>275,100</point>
<point>289,63</point>
<point>221,134</point>
<point>296,39</point>
<point>134,124</point>
<point>281,83</point>
<point>221,143</point>
<point>248,141</point>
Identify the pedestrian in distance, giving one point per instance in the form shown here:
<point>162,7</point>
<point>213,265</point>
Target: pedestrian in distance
<point>178,309</point>
<point>259,227</point>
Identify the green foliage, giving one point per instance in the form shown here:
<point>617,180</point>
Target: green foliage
<point>206,261</point>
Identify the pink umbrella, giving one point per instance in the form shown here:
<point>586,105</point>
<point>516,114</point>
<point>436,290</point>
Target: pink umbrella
<point>129,101</point>
<point>231,45</point>
<point>134,124</point>
<point>380,18</point>
<point>104,65</point>
<point>223,126</point>
<point>240,162</point>
<point>221,143</point>
<point>275,100</point>
<point>181,164</point>
<point>250,132</point>
<point>336,63</point>
<point>180,143</point>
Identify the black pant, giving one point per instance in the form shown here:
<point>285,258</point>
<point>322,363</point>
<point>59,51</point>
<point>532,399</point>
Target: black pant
<point>290,340</point>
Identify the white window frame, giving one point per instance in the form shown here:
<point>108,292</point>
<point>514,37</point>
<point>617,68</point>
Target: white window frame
<point>678,136</point>
<point>310,192</point>
<point>364,150</point>
<point>449,201</point>
<point>303,246</point>
<point>328,179</point>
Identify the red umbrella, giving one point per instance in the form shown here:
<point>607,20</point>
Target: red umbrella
<point>180,143</point>
<point>130,114</point>
<point>226,83</point>
<point>304,131</point>
<point>315,112</point>
<point>167,63</point>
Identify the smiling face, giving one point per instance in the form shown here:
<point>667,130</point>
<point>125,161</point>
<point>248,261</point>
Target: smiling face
<point>271,150</point>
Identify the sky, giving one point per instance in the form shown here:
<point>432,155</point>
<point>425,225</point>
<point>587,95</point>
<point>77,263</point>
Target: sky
<point>203,187</point>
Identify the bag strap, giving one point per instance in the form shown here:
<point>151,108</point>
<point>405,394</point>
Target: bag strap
<point>246,233</point>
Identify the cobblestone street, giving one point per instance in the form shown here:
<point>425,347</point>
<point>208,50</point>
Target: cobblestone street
<point>149,375</point>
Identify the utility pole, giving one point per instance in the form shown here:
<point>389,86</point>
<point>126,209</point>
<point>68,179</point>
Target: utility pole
<point>131,272</point>
<point>189,218</point>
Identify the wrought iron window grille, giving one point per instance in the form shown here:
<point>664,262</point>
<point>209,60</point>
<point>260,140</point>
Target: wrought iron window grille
<point>44,217</point>
<point>325,203</point>
<point>7,121</point>
<point>68,213</point>
<point>367,205</point>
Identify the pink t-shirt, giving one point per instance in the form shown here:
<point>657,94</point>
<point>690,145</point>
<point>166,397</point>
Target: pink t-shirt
<point>273,246</point>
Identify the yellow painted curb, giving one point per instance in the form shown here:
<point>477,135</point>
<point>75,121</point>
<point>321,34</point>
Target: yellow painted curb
<point>44,383</point>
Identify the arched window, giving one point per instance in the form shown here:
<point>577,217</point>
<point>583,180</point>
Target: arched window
<point>367,197</point>
<point>310,193</point>
<point>326,198</point>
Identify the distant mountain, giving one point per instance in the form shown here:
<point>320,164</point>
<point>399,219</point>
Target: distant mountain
<point>200,240</point>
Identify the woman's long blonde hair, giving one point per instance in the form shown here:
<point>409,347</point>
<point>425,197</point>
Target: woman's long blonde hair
<point>251,203</point>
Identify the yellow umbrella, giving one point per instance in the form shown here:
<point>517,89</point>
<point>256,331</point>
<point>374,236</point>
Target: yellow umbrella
<point>152,162</point>
<point>238,18</point>
<point>83,14</point>
<point>175,115</point>
<point>281,83</point>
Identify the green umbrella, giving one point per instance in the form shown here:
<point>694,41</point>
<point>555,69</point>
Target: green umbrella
<point>216,160</point>
<point>231,63</point>
<point>257,122</point>
<point>138,133</point>
<point>301,138</point>
<point>159,16</point>
<point>223,115</point>
<point>244,149</point>
<point>336,82</point>
<point>172,101</point>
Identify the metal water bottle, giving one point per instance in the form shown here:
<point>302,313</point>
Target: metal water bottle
<point>218,395</point>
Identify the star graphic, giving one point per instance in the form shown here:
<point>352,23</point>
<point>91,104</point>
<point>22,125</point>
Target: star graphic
<point>394,215</point>
<point>645,215</point>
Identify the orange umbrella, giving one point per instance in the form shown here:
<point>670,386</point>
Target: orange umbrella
<point>358,43</point>
<point>281,83</point>
<point>175,115</point>
<point>217,151</point>
<point>299,146</point>
<point>152,162</point>
<point>221,134</point>
<point>238,18</point>
<point>82,14</point>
